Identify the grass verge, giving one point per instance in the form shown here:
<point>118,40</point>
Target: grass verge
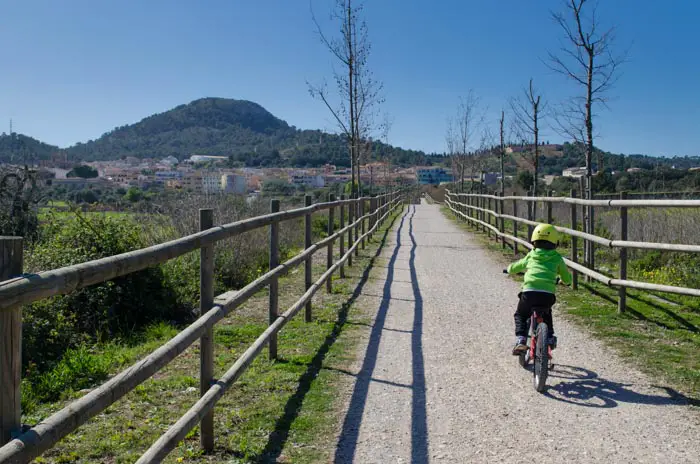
<point>283,411</point>
<point>659,336</point>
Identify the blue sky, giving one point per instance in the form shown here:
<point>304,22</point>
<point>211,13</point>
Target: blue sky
<point>75,69</point>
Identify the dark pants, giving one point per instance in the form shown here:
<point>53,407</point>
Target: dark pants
<point>528,301</point>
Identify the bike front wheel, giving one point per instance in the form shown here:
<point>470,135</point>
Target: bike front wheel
<point>541,364</point>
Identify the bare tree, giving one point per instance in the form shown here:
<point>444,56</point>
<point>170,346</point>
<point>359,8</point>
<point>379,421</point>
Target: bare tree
<point>462,134</point>
<point>451,143</point>
<point>484,153</point>
<point>527,113</point>
<point>587,59</point>
<point>386,128</point>
<point>358,92</point>
<point>502,152</point>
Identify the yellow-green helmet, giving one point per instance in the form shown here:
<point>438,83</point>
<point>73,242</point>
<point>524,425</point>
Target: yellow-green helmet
<point>545,232</point>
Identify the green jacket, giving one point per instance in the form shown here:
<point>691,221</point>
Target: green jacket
<point>541,270</point>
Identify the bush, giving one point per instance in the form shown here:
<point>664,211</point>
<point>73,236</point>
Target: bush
<point>101,311</point>
<point>83,171</point>
<point>78,368</point>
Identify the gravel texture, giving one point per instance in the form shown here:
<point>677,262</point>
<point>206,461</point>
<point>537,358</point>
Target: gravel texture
<point>436,382</point>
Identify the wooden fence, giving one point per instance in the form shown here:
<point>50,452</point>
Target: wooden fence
<point>21,446</point>
<point>487,212</point>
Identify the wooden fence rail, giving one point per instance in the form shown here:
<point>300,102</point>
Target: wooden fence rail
<point>14,293</point>
<point>481,216</point>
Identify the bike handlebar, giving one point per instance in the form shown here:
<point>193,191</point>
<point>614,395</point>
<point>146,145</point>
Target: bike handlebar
<point>505,271</point>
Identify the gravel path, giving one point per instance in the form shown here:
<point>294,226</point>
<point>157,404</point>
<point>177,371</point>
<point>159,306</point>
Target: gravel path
<point>436,381</point>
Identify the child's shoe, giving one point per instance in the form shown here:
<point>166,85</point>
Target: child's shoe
<point>520,346</point>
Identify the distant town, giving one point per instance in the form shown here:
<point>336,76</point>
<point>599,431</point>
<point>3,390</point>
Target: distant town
<point>204,174</point>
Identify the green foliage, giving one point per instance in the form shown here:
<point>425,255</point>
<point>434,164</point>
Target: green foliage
<point>100,311</point>
<point>134,194</point>
<point>665,268</point>
<point>525,180</point>
<point>20,149</point>
<point>277,187</point>
<point>85,196</point>
<point>319,225</point>
<point>349,188</point>
<point>83,171</point>
<point>563,185</point>
<point>78,368</point>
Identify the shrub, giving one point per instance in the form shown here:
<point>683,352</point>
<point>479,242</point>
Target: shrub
<point>78,368</point>
<point>101,311</point>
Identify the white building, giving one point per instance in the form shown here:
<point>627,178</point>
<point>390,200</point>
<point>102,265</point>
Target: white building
<point>211,183</point>
<point>169,160</point>
<point>574,172</point>
<point>204,158</point>
<point>304,178</point>
<point>233,183</point>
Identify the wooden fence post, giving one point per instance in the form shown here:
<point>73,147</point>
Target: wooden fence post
<point>501,221</point>
<point>584,223</point>
<point>529,217</point>
<point>591,244</point>
<point>329,255</point>
<point>364,227</point>
<point>358,215</point>
<point>374,211</point>
<point>480,213</point>
<point>549,208</point>
<point>11,265</point>
<point>469,201</point>
<point>515,227</point>
<point>622,303</point>
<point>308,264</point>
<point>342,236</point>
<point>274,282</point>
<point>574,241</point>
<point>351,218</point>
<point>485,217</point>
<point>206,350</point>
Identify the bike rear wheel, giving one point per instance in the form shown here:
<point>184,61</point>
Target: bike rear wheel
<point>541,364</point>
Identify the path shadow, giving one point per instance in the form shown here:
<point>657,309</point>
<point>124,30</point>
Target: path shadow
<point>583,387</point>
<point>278,438</point>
<point>419,419</point>
<point>348,440</point>
<point>677,317</point>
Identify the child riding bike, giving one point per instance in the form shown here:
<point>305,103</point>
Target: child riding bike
<point>543,266</point>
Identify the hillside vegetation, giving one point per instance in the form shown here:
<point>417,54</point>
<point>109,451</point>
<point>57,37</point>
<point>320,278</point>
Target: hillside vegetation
<point>244,130</point>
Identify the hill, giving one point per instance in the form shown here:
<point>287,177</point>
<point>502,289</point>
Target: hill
<point>20,149</point>
<point>570,155</point>
<point>241,129</point>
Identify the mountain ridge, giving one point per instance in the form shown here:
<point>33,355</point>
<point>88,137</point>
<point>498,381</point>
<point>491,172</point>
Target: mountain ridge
<point>242,129</point>
<point>252,136</point>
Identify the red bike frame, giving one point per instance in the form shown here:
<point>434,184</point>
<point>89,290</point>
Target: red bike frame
<point>535,320</point>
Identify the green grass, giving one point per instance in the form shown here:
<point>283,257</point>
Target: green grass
<point>660,335</point>
<point>283,411</point>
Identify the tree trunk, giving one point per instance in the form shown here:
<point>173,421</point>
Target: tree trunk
<point>589,153</point>
<point>503,155</point>
<point>352,96</point>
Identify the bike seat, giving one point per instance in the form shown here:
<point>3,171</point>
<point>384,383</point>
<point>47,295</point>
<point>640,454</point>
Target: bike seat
<point>541,309</point>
